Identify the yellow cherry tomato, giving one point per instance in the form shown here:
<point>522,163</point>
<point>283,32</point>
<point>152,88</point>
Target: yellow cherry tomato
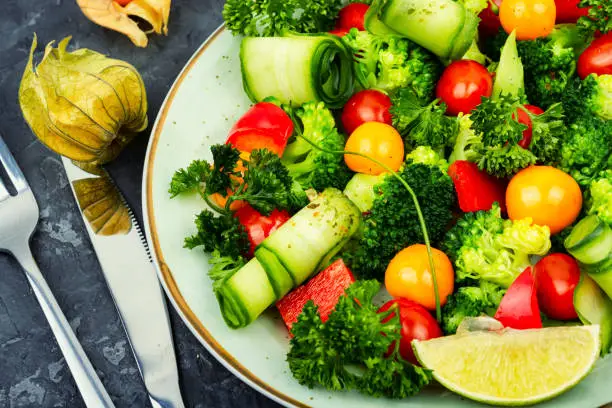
<point>530,18</point>
<point>547,195</point>
<point>377,140</point>
<point>409,276</point>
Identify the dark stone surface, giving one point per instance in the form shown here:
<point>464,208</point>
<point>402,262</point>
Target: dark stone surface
<point>32,371</point>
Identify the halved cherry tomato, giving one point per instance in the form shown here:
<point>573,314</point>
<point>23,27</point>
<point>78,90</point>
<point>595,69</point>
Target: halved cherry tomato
<point>417,324</point>
<point>340,32</point>
<point>546,194</point>
<point>264,125</point>
<point>530,18</point>
<point>569,12</point>
<point>352,16</point>
<point>408,276</point>
<point>524,118</point>
<point>519,307</point>
<point>377,140</point>
<point>489,19</point>
<point>366,106</point>
<point>556,278</point>
<point>462,85</point>
<point>259,226</point>
<point>597,58</point>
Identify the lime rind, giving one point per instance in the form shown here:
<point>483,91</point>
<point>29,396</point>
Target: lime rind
<point>576,348</point>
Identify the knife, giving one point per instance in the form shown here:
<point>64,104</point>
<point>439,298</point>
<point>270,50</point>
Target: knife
<point>132,280</point>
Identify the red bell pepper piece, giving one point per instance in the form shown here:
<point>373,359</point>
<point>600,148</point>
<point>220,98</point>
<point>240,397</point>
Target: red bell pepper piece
<point>324,290</point>
<point>476,190</point>
<point>568,11</point>
<point>263,126</point>
<point>519,307</point>
<point>259,226</point>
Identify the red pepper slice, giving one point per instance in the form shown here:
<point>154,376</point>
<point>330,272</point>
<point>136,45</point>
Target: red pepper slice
<point>519,307</point>
<point>476,190</point>
<point>324,290</point>
<point>258,226</point>
<point>264,125</point>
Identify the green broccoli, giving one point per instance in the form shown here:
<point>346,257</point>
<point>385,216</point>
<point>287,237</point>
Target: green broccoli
<point>470,301</point>
<point>422,124</point>
<point>490,136</point>
<point>426,155</point>
<point>599,197</point>
<point>312,167</point>
<point>593,95</point>
<point>586,148</point>
<point>392,224</point>
<point>486,247</point>
<point>390,62</point>
<point>269,17</point>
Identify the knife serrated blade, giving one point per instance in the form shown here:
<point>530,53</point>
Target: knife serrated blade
<point>132,280</point>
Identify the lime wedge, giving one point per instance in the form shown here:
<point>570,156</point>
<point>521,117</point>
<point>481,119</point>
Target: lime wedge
<point>512,367</point>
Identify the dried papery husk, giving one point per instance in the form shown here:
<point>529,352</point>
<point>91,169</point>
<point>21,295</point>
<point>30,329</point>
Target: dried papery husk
<point>111,14</point>
<point>102,205</point>
<point>82,104</point>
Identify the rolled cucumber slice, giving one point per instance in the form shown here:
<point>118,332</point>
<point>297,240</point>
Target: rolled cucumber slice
<point>594,307</point>
<point>298,249</point>
<point>509,76</point>
<point>590,241</point>
<point>444,27</point>
<point>297,69</point>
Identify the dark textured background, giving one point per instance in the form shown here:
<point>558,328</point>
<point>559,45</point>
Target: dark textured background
<point>32,370</point>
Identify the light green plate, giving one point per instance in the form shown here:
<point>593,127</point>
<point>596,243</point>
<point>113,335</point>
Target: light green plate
<point>204,102</point>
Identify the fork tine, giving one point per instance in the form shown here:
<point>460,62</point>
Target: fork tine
<point>12,169</point>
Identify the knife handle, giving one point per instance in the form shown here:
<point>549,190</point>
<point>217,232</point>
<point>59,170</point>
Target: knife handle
<point>90,386</point>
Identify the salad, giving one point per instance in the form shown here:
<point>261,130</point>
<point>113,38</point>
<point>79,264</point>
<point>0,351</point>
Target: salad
<point>453,157</point>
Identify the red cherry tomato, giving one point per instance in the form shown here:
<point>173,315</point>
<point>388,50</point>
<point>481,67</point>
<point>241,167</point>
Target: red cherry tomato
<point>519,307</point>
<point>352,16</point>
<point>264,125</point>
<point>568,11</point>
<point>123,2</point>
<point>489,19</point>
<point>258,226</point>
<point>417,323</point>
<point>597,58</point>
<point>462,85</point>
<point>556,277</point>
<point>524,118</point>
<point>366,106</point>
<point>340,32</point>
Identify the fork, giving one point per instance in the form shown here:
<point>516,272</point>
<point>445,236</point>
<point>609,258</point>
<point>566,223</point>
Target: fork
<point>18,218</point>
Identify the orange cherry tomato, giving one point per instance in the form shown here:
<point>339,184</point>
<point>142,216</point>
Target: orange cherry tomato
<point>408,276</point>
<point>530,18</point>
<point>377,140</point>
<point>221,200</point>
<point>547,195</point>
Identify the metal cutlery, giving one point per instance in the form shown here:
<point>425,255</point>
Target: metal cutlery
<point>19,216</point>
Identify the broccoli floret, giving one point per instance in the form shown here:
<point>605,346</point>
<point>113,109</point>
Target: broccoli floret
<point>470,301</point>
<point>391,62</point>
<point>486,247</point>
<point>550,63</point>
<point>422,124</point>
<point>426,155</point>
<point>593,95</point>
<point>270,17</point>
<point>392,223</point>
<point>599,197</point>
<point>586,148</point>
<point>312,167</point>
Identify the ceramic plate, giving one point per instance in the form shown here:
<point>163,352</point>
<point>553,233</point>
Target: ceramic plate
<point>204,102</point>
